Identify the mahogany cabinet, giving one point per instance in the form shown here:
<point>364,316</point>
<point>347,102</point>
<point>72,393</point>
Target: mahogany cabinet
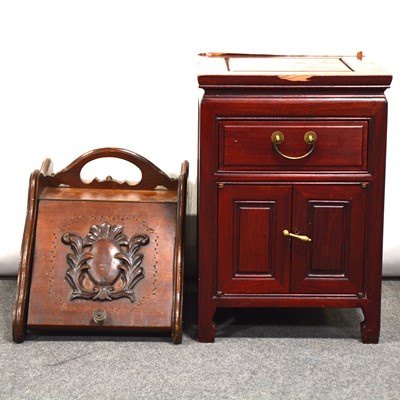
<point>291,184</point>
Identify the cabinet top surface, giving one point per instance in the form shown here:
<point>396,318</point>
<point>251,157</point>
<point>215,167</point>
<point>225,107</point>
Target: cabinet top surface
<point>220,69</point>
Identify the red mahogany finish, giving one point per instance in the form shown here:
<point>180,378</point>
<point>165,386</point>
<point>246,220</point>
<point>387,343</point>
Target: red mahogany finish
<point>291,184</point>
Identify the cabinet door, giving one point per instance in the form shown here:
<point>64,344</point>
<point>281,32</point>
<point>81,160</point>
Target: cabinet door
<point>253,256</point>
<point>333,216</point>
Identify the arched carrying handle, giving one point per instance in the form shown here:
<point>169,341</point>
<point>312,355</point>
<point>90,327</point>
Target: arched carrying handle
<point>70,176</point>
<point>310,138</point>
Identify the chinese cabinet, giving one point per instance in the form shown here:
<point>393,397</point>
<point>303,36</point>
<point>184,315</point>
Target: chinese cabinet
<point>291,184</point>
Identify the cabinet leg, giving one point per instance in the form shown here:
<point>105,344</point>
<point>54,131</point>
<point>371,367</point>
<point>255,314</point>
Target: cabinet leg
<point>206,325</point>
<point>370,327</point>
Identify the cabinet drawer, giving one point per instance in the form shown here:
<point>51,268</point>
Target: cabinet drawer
<point>247,145</point>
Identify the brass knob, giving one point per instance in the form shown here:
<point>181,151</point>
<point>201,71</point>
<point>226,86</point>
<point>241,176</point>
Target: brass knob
<point>277,137</point>
<point>99,316</point>
<point>310,137</point>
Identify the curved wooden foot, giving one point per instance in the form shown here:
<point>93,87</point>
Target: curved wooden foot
<point>177,336</point>
<point>19,328</point>
<point>206,326</point>
<point>370,327</point>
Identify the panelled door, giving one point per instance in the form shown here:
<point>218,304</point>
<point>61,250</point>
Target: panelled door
<point>253,257</point>
<point>333,216</point>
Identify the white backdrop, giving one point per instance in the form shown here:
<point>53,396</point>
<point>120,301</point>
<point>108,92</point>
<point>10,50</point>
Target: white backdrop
<point>80,74</point>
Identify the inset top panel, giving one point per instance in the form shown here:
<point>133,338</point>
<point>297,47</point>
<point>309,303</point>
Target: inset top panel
<point>287,64</point>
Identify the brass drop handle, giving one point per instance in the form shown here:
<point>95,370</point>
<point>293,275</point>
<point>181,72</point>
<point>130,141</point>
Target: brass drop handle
<point>99,316</point>
<point>310,137</point>
<point>303,238</point>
